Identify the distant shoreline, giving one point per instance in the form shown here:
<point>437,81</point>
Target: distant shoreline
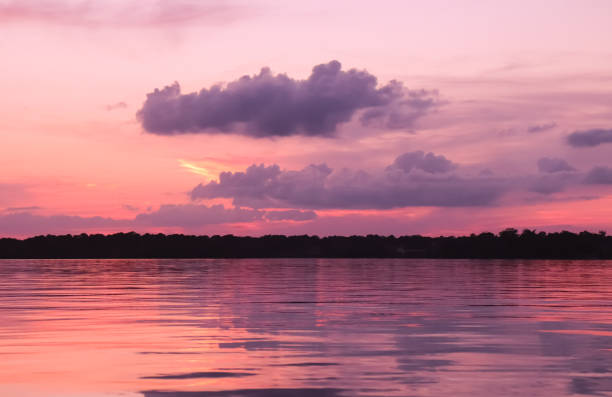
<point>508,244</point>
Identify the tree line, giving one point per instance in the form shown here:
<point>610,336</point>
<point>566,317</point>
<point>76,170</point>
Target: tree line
<point>507,244</point>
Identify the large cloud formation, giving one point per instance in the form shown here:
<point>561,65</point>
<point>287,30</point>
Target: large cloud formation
<point>590,138</point>
<point>414,179</point>
<point>267,105</point>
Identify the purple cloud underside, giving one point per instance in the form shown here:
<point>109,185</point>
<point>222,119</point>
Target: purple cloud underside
<point>414,179</point>
<point>187,216</point>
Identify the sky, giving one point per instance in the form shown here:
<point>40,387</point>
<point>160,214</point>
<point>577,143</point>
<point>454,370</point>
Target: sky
<point>267,117</point>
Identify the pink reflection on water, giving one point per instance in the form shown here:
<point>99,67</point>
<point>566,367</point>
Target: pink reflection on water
<point>315,327</point>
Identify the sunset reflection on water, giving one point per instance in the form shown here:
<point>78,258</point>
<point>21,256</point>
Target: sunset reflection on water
<point>305,327</point>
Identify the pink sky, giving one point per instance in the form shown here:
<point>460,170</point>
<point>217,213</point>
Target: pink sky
<point>75,74</point>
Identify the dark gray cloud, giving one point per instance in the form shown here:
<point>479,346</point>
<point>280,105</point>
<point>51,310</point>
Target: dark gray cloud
<point>290,215</point>
<point>552,165</point>
<point>190,216</point>
<point>424,181</point>
<point>541,127</point>
<point>266,105</point>
<point>590,138</point>
<point>599,176</point>
<point>427,162</point>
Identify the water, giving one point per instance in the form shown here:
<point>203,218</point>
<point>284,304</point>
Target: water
<point>305,328</point>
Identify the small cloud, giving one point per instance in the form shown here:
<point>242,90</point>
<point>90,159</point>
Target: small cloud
<point>549,184</point>
<point>589,138</point>
<point>599,176</point>
<point>130,207</point>
<point>427,162</point>
<point>22,209</point>
<point>118,105</point>
<point>552,165</point>
<point>534,129</point>
<point>192,216</point>
<point>290,215</point>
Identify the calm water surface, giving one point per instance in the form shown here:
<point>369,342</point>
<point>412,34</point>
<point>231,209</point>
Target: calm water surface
<point>305,328</point>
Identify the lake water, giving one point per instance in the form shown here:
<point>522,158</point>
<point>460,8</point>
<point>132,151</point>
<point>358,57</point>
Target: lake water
<point>305,328</point>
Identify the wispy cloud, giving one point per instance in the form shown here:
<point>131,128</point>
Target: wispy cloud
<point>23,221</point>
<point>541,127</point>
<point>116,106</point>
<point>129,13</point>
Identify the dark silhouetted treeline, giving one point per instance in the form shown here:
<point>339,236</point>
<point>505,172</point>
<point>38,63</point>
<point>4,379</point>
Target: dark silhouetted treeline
<point>507,244</point>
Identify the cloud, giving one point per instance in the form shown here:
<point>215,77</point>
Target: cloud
<point>22,222</point>
<point>22,209</point>
<point>26,223</point>
<point>266,105</point>
<point>190,216</point>
<point>552,165</point>
<point>599,176</point>
<point>413,180</point>
<point>115,106</point>
<point>290,215</point>
<point>551,183</point>
<point>541,127</point>
<point>427,162</point>
<point>590,138</point>
<point>558,174</point>
<point>127,13</point>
